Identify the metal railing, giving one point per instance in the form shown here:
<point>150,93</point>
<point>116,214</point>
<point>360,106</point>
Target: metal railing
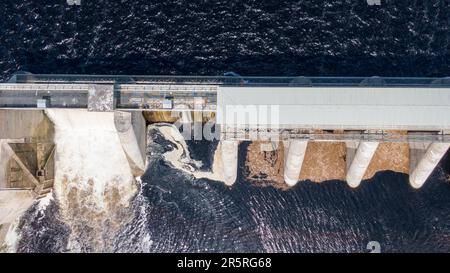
<point>127,96</point>
<point>238,80</point>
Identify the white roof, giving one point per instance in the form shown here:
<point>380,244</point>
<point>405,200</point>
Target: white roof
<point>337,107</point>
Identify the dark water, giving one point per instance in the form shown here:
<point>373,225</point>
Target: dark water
<point>201,215</point>
<point>175,212</point>
<point>331,37</point>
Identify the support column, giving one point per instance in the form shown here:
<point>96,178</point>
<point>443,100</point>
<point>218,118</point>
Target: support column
<point>360,162</point>
<point>351,147</point>
<point>294,160</point>
<point>416,152</point>
<point>129,141</point>
<point>427,164</point>
<point>229,152</point>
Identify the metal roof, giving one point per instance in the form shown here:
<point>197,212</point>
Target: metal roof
<point>383,108</point>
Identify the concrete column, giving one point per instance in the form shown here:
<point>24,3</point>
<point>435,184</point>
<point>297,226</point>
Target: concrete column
<point>229,153</point>
<point>129,140</point>
<point>360,162</point>
<point>140,129</point>
<point>294,160</point>
<point>351,147</point>
<point>427,164</point>
<point>416,152</point>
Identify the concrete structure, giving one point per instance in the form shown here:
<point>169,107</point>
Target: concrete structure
<point>360,162</point>
<point>295,153</point>
<point>229,154</point>
<point>331,108</point>
<point>26,162</point>
<point>427,164</point>
<point>130,132</point>
<point>13,203</point>
<point>101,97</point>
<point>26,151</point>
<point>362,112</point>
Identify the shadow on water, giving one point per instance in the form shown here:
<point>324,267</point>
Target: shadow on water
<point>174,212</point>
<point>202,215</point>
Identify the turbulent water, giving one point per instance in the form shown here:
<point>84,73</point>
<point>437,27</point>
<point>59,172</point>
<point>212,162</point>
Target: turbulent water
<point>173,211</point>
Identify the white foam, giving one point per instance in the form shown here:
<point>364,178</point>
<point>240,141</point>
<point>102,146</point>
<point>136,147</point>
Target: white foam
<point>88,150</point>
<point>93,178</point>
<point>176,158</point>
<point>12,237</point>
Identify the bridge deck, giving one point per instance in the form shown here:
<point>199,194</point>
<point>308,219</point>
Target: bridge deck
<point>127,96</point>
<point>302,102</point>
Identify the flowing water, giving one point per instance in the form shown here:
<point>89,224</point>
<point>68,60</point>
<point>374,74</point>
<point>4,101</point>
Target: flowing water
<point>176,206</point>
<point>174,211</point>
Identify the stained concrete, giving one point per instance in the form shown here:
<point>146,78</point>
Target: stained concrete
<point>29,124</point>
<point>26,141</point>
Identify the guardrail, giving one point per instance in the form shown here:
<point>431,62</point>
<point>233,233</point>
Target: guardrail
<point>126,96</point>
<point>236,80</point>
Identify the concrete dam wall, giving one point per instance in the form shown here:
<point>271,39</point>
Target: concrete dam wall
<point>22,134</point>
<point>94,160</point>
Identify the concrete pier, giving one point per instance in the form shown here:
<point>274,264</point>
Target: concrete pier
<point>360,162</point>
<point>416,152</point>
<point>429,161</point>
<point>229,153</point>
<point>129,131</point>
<point>351,147</point>
<point>294,160</point>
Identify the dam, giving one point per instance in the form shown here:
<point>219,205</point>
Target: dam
<point>292,111</point>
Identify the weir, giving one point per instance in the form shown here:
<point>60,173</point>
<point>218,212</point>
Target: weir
<point>360,112</point>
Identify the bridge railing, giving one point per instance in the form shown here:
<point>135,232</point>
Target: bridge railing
<point>238,80</point>
<point>126,96</point>
<point>42,95</point>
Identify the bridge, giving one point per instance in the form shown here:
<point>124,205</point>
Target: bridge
<point>362,112</point>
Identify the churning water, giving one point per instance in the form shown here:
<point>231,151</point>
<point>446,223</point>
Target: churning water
<point>173,211</point>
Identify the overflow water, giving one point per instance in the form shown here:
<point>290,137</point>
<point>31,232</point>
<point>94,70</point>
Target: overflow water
<point>93,182</point>
<point>176,209</point>
<point>173,211</point>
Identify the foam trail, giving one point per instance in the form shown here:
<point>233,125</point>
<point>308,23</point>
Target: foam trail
<point>93,180</point>
<point>181,159</point>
